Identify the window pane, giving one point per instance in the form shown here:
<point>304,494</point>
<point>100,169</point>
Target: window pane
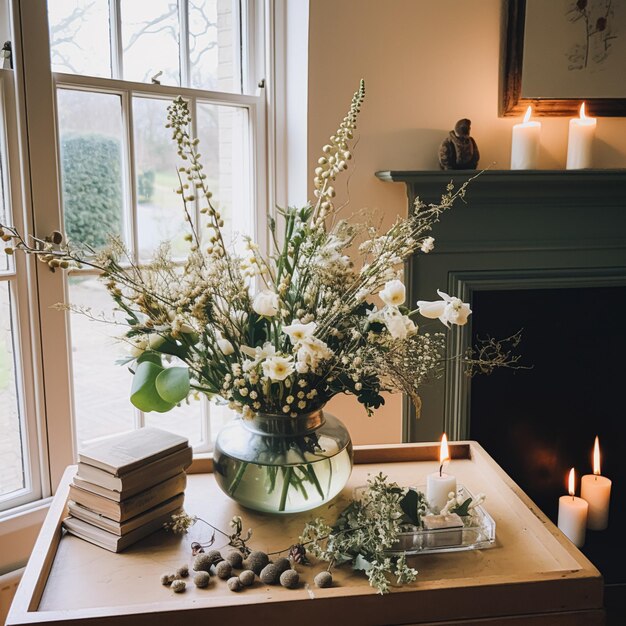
<point>185,420</point>
<point>150,40</point>
<point>101,387</point>
<point>160,213</point>
<point>79,37</point>
<point>4,206</point>
<point>225,148</point>
<point>214,50</point>
<point>12,469</point>
<point>90,130</point>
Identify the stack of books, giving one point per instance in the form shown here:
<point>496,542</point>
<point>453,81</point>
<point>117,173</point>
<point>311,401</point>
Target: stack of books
<point>127,486</point>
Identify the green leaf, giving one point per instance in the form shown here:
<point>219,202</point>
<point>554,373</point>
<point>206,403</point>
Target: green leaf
<point>408,504</point>
<point>143,393</point>
<point>462,509</point>
<point>149,355</point>
<point>361,563</point>
<point>172,384</point>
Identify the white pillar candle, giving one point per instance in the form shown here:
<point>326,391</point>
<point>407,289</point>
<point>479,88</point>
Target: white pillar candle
<point>580,141</point>
<point>573,515</point>
<point>439,484</point>
<point>596,490</point>
<point>525,144</point>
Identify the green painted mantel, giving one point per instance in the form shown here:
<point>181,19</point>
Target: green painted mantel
<point>521,229</point>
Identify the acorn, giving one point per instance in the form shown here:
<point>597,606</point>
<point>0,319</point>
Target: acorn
<point>323,579</point>
<point>290,579</point>
<point>270,574</point>
<point>178,586</point>
<point>234,584</point>
<point>256,561</point>
<point>235,558</point>
<point>224,570</point>
<point>202,579</point>
<point>246,578</point>
<point>282,564</point>
<point>182,571</point>
<point>167,579</point>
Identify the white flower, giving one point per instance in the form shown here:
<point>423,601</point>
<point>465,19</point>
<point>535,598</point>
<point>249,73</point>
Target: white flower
<point>258,353</point>
<point>225,346</point>
<point>310,353</point>
<point>300,332</point>
<point>278,367</point>
<point>265,303</point>
<point>398,325</point>
<point>428,245</point>
<point>449,310</point>
<point>394,293</point>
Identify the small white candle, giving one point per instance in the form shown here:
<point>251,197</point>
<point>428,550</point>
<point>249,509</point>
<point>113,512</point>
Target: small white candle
<point>596,490</point>
<point>573,514</point>
<point>525,144</point>
<point>580,141</point>
<point>438,484</point>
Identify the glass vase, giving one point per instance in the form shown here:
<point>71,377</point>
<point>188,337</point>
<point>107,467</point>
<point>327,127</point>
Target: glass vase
<point>281,464</point>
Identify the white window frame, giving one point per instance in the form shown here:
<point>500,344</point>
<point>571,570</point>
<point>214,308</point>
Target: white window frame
<point>44,350</point>
<point>128,90</point>
<point>18,278</point>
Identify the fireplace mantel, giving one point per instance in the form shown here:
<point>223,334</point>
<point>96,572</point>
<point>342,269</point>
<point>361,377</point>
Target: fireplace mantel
<point>516,230</point>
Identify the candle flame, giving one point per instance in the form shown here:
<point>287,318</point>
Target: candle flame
<point>529,111</point>
<point>596,457</point>
<point>571,483</point>
<point>444,455</point>
<point>582,112</point>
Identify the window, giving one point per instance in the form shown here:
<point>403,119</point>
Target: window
<point>20,479</point>
<point>118,64</point>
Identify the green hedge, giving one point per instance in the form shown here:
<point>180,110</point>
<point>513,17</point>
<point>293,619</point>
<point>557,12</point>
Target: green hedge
<point>92,188</point>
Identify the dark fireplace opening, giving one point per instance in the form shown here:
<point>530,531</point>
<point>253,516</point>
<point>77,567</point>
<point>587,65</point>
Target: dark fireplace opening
<point>539,423</point>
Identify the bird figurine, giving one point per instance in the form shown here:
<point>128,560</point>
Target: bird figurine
<point>458,151</point>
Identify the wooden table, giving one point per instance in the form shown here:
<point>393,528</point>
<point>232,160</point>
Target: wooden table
<point>532,575</point>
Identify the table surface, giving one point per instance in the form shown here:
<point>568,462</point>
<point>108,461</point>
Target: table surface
<point>531,569</point>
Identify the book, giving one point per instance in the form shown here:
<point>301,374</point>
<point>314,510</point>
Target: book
<point>142,477</point>
<point>128,492</point>
<point>127,526</point>
<point>120,511</point>
<point>123,453</point>
<point>109,541</point>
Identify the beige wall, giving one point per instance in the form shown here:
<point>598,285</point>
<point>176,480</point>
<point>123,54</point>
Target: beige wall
<point>426,64</point>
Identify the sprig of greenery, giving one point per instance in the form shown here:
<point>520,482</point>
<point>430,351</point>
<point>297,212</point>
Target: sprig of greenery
<point>363,533</point>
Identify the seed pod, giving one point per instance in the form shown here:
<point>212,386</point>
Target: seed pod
<point>246,578</point>
<point>202,579</point>
<point>167,579</point>
<point>323,579</point>
<point>182,571</point>
<point>282,564</point>
<point>270,574</point>
<point>224,570</point>
<point>178,586</point>
<point>235,558</point>
<point>234,584</point>
<point>290,579</point>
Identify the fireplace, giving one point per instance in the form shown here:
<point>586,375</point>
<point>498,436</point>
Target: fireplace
<point>544,252</point>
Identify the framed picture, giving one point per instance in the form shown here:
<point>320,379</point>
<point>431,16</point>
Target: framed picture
<point>563,52</point>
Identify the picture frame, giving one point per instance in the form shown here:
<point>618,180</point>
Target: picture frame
<point>572,76</point>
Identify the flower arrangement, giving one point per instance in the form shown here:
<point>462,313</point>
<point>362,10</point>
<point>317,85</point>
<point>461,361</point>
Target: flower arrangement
<point>278,333</point>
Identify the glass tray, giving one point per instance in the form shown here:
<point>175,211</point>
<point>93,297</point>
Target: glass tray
<point>478,532</point>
